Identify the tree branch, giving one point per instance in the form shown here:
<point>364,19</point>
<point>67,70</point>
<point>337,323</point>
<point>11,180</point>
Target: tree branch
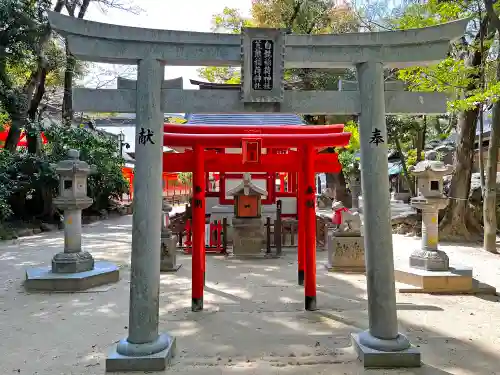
<point>295,13</point>
<point>492,14</point>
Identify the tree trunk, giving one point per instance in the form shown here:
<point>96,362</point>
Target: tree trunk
<point>421,135</point>
<point>406,175</point>
<point>481,151</point>
<point>458,222</point>
<point>340,189</point>
<point>481,115</point>
<point>33,131</point>
<point>490,191</point>
<point>18,122</point>
<point>67,105</point>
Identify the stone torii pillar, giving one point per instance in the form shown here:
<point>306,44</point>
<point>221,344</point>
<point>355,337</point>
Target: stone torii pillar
<point>382,337</point>
<point>145,349</point>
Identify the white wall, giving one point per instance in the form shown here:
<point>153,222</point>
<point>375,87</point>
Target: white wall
<point>288,205</point>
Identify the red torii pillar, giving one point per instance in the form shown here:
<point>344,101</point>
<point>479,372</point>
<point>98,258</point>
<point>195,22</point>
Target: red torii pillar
<point>301,251</point>
<point>198,230</point>
<point>309,227</point>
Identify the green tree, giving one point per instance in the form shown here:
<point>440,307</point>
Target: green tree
<point>28,182</point>
<point>457,75</point>
<point>27,56</point>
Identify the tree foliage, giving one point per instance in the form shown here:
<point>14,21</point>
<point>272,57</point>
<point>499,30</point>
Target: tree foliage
<point>28,182</point>
<point>33,67</point>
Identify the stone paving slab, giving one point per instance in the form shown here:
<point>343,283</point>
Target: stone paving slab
<point>254,322</point>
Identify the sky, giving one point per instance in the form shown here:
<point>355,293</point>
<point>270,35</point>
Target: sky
<point>191,15</point>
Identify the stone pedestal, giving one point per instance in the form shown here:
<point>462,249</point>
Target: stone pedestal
<point>168,262</point>
<point>248,236</point>
<point>168,257</point>
<point>72,269</point>
<point>346,253</point>
<point>389,355</point>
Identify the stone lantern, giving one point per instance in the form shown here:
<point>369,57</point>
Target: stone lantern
<point>429,268</point>
<point>72,269</point>
<point>72,199</point>
<point>430,200</point>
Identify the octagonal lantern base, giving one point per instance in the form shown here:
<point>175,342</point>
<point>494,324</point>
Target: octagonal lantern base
<point>430,260</point>
<point>43,279</point>
<point>72,262</point>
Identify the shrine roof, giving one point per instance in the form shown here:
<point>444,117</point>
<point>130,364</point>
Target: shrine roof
<point>244,119</point>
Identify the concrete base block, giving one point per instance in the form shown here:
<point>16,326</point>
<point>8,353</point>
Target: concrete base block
<point>346,269</point>
<point>477,288</point>
<point>456,280</point>
<point>372,358</point>
<point>250,256</point>
<point>43,279</point>
<point>345,253</point>
<point>169,268</point>
<point>154,362</point>
<point>248,236</point>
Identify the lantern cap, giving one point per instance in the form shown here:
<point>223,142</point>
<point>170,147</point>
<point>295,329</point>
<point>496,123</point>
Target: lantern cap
<point>73,165</point>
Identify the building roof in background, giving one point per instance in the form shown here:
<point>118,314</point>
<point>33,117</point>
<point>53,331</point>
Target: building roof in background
<point>244,119</point>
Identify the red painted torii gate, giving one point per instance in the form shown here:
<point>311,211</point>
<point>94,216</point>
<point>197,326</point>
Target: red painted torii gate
<point>252,139</point>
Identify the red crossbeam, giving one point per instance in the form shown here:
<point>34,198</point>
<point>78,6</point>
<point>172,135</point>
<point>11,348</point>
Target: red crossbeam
<point>214,162</point>
<point>252,129</point>
<point>268,140</point>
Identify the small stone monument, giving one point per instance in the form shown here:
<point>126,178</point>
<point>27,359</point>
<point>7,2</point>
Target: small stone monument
<point>168,262</point>
<point>72,269</point>
<point>345,242</point>
<point>248,229</point>
<point>429,269</point>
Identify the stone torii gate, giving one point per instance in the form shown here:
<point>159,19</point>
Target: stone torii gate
<point>263,54</point>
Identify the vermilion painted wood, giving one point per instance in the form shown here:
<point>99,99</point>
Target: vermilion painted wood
<point>184,162</point>
<point>309,227</point>
<point>198,229</point>
<point>268,140</point>
<point>252,129</point>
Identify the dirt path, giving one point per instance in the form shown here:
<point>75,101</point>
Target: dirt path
<point>253,324</point>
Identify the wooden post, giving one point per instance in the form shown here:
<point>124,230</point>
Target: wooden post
<point>224,236</point>
<point>277,228</point>
<point>268,235</point>
<point>301,251</point>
